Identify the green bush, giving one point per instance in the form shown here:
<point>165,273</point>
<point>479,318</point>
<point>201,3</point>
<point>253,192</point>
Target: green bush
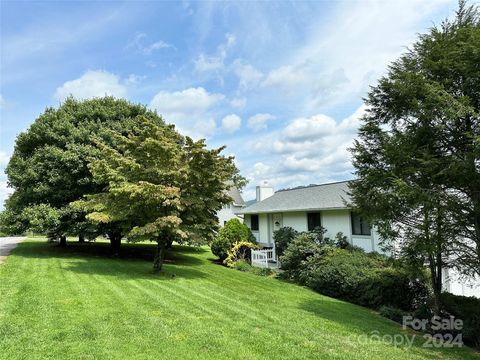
<point>283,237</point>
<point>244,266</point>
<point>393,313</point>
<point>233,231</point>
<point>367,279</point>
<point>468,310</point>
<point>294,257</point>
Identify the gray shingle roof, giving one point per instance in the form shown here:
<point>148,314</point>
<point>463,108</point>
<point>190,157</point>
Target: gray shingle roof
<point>313,197</point>
<point>236,196</point>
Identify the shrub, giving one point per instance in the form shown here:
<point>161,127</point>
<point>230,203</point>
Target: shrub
<point>468,310</point>
<point>338,272</point>
<point>341,241</point>
<point>241,251</point>
<point>297,252</point>
<point>283,237</point>
<point>365,279</point>
<point>233,231</point>
<point>242,265</point>
<point>262,271</point>
<point>393,313</point>
<point>394,287</point>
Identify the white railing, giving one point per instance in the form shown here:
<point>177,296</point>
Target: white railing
<point>264,258</point>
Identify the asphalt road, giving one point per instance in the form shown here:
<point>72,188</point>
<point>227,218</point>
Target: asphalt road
<point>7,244</point>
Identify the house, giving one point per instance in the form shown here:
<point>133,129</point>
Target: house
<point>232,210</point>
<point>305,208</point>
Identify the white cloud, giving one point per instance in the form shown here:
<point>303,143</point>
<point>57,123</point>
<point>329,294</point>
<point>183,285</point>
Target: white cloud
<point>4,158</point>
<point>189,109</point>
<point>94,83</point>
<point>209,63</point>
<point>248,76</point>
<point>134,80</point>
<point>259,121</point>
<point>231,123</point>
<point>139,43</point>
<point>306,151</point>
<point>238,103</point>
<point>216,62</point>
<point>2,102</point>
<point>341,57</point>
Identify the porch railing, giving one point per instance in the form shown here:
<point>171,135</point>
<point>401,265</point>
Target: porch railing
<point>265,258</point>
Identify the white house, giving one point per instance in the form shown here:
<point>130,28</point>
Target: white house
<point>305,208</point>
<point>233,209</point>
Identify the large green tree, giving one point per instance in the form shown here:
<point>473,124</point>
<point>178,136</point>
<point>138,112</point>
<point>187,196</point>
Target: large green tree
<point>161,186</point>
<point>49,166</point>
<point>417,157</point>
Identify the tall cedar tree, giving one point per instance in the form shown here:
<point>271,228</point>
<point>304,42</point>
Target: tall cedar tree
<point>49,166</point>
<point>418,153</point>
<point>161,186</point>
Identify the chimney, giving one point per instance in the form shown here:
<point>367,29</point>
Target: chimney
<point>264,191</point>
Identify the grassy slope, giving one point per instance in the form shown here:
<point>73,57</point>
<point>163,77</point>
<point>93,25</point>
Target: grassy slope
<point>80,303</point>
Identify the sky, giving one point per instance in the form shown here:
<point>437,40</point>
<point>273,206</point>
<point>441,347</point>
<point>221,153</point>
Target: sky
<point>279,83</point>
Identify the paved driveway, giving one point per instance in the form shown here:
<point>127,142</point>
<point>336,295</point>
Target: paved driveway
<point>7,244</point>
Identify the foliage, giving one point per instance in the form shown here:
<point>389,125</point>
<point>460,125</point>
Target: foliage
<point>161,186</point>
<point>233,231</point>
<point>282,238</point>
<point>393,313</point>
<point>49,166</point>
<point>417,155</point>
<point>303,246</point>
<point>241,251</point>
<point>468,310</point>
<point>245,266</point>
<point>365,279</point>
<point>298,251</point>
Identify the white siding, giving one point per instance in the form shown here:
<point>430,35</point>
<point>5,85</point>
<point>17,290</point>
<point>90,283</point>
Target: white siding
<point>227,213</point>
<point>456,285</point>
<point>336,221</point>
<point>296,220</point>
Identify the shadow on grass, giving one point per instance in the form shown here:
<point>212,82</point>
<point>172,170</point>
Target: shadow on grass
<point>363,323</point>
<point>133,260</point>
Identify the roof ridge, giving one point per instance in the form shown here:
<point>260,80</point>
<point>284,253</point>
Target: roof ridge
<point>313,185</point>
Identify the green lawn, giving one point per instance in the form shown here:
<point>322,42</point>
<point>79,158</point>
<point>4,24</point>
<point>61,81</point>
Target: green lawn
<point>80,303</point>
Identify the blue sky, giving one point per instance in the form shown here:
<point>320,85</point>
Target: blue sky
<point>279,83</point>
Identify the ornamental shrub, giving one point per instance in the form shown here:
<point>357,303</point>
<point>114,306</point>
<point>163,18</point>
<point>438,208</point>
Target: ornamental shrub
<point>241,251</point>
<point>233,231</point>
<point>283,237</point>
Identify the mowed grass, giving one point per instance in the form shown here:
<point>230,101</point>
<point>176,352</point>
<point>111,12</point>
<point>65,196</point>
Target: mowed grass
<point>81,303</point>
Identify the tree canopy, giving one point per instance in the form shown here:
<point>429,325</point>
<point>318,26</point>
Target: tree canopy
<point>417,156</point>
<point>161,186</point>
<point>49,166</point>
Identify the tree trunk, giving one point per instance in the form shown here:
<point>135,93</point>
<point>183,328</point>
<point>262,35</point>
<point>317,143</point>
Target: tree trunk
<point>63,240</point>
<point>115,242</point>
<point>81,238</point>
<point>159,255</point>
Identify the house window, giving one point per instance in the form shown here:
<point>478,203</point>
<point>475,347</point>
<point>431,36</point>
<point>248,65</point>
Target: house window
<point>254,222</point>
<point>313,220</point>
<point>359,226</point>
